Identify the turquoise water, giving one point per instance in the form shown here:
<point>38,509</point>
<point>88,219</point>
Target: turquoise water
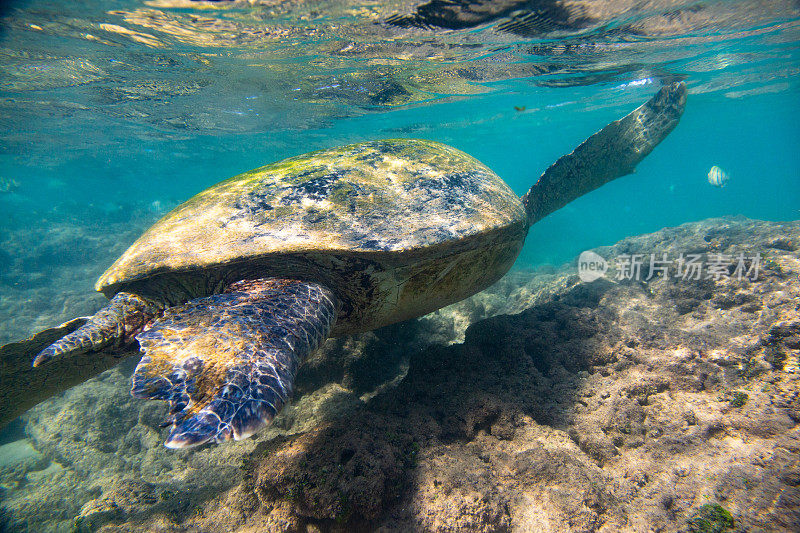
<point>114,112</point>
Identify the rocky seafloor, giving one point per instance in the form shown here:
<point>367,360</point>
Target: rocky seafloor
<point>542,404</point>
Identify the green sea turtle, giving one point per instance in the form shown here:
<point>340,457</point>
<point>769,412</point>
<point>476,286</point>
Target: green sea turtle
<point>228,293</point>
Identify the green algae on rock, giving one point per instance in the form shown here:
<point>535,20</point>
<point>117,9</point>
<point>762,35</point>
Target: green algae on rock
<point>541,400</point>
<point>739,399</point>
<point>711,518</point>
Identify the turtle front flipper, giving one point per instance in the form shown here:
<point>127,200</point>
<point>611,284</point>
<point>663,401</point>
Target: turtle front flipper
<point>610,153</point>
<point>226,363</point>
<point>112,327</point>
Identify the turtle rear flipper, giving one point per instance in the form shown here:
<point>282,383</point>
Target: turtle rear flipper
<point>226,363</point>
<point>111,327</point>
<point>23,386</point>
<point>610,153</point>
<point>69,354</point>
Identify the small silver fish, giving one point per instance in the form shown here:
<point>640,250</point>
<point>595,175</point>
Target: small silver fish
<point>718,177</point>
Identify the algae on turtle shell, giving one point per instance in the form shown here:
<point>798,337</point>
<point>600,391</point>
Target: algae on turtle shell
<point>229,292</point>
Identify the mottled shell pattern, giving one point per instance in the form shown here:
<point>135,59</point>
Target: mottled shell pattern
<point>396,228</point>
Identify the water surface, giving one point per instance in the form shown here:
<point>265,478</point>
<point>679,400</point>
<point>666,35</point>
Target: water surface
<point>114,112</point>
